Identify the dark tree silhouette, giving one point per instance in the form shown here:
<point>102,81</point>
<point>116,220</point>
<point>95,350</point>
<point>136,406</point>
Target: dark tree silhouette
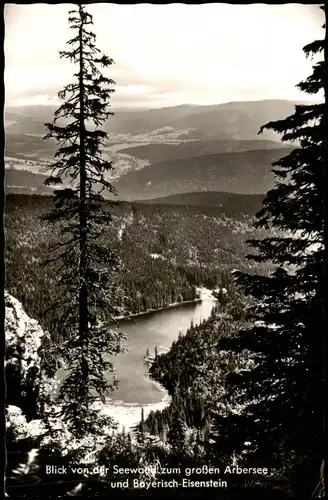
<point>282,396</point>
<point>88,266</point>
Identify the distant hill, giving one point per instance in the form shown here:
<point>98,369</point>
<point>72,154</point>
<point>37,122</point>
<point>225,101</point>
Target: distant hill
<point>23,181</point>
<point>29,146</point>
<point>159,152</point>
<point>248,172</point>
<point>27,119</point>
<point>233,120</point>
<point>231,202</point>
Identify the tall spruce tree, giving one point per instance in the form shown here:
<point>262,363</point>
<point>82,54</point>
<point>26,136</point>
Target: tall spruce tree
<point>282,396</point>
<point>87,266</point>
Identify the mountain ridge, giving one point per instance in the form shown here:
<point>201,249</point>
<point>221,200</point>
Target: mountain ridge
<point>239,120</point>
<point>202,198</point>
<point>248,172</point>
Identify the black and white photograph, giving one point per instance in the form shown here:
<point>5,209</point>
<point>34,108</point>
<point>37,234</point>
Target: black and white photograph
<point>164,250</point>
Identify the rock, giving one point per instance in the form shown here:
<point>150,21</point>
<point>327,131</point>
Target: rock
<point>23,337</point>
<point>16,422</point>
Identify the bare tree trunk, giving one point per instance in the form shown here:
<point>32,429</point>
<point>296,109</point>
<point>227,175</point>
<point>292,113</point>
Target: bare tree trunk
<point>83,293</point>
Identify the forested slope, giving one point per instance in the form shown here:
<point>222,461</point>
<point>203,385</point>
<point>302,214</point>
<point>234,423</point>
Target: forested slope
<point>166,252</point>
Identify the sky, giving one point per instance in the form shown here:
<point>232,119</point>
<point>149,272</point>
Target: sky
<point>166,55</point>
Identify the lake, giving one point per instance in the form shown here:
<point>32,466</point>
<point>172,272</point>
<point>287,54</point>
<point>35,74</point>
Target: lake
<point>159,328</point>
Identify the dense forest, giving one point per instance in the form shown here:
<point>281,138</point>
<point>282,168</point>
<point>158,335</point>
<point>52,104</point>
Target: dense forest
<point>166,252</point>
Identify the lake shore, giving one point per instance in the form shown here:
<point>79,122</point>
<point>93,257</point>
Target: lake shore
<point>128,415</point>
<point>204,293</point>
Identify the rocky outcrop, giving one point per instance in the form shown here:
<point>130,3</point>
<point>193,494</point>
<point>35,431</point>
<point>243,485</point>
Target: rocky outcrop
<point>23,338</point>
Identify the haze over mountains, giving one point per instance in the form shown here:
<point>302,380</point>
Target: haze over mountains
<point>233,120</point>
<point>167,151</point>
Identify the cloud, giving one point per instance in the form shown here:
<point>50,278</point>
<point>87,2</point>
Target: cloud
<point>33,100</point>
<point>200,53</point>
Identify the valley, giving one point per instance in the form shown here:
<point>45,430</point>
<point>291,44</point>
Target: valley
<point>240,120</point>
<point>190,200</point>
<point>160,152</point>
